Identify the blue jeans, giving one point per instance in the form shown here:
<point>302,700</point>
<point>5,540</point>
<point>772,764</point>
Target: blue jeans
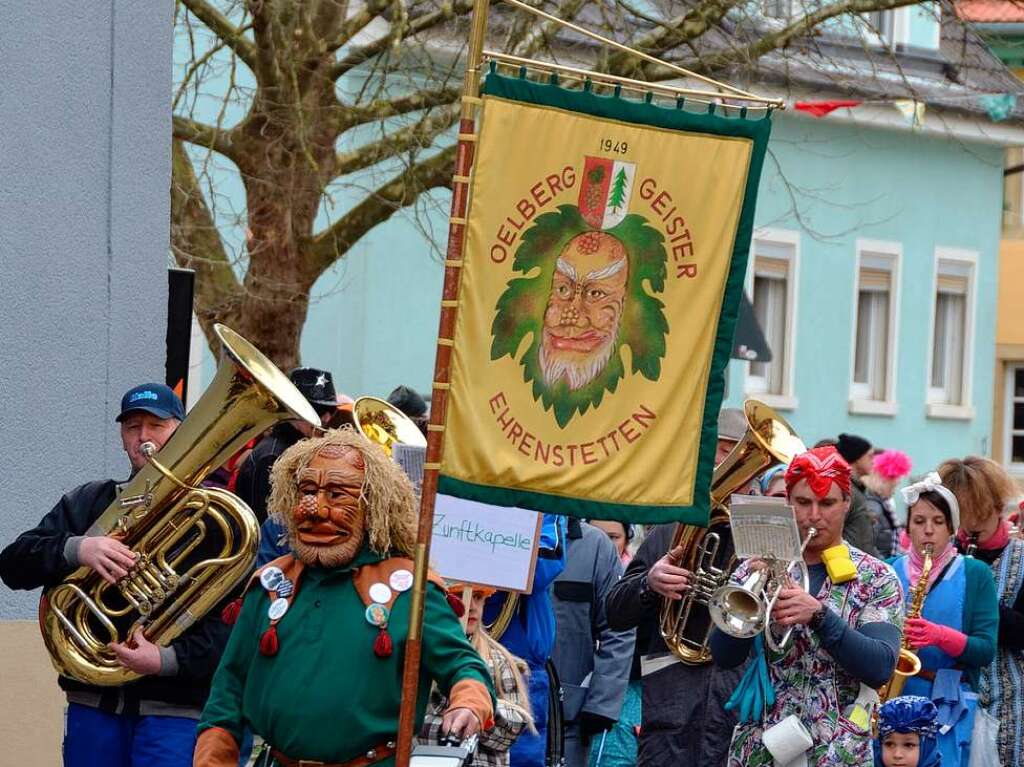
<point>93,738</point>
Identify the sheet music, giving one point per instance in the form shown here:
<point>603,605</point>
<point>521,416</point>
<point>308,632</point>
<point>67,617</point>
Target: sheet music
<point>764,528</point>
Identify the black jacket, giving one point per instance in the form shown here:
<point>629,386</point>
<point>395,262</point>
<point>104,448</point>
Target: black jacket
<point>253,484</point>
<point>36,559</point>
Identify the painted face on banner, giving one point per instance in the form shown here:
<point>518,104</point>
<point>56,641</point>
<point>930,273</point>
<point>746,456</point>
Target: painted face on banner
<point>329,522</point>
<point>581,321</point>
<point>592,270</point>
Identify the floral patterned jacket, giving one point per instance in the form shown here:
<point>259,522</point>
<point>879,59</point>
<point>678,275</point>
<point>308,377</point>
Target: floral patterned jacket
<point>810,684</point>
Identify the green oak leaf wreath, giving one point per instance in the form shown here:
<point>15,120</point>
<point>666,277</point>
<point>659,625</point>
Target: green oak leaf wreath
<point>520,309</point>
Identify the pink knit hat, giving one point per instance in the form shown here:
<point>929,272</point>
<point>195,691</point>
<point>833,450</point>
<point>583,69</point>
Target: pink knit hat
<point>892,464</point>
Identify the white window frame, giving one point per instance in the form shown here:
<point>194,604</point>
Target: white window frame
<point>887,256</point>
<point>934,407</point>
<point>1009,387</point>
<point>786,238</point>
<point>900,29</point>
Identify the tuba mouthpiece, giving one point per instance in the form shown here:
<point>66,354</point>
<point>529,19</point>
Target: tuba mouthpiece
<point>148,449</point>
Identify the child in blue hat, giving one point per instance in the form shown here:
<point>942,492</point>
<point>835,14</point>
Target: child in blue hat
<point>906,733</point>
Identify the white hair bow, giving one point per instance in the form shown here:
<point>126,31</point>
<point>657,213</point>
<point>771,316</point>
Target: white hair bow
<point>932,483</point>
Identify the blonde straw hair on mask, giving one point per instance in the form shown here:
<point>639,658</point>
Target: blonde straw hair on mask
<point>388,498</point>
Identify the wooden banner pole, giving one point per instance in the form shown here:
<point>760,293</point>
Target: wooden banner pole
<point>442,374</point>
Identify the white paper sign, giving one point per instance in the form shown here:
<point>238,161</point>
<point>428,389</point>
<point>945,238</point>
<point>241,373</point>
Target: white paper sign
<point>763,527</point>
<point>488,545</point>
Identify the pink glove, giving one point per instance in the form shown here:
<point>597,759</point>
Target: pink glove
<point>921,633</point>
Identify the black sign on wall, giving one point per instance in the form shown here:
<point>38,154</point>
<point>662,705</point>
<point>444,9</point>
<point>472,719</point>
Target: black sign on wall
<point>181,287</point>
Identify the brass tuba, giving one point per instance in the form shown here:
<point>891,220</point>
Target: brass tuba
<point>385,425</point>
<point>685,623</point>
<point>193,545</point>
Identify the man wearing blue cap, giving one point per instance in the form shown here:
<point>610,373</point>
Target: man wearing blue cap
<point>151,721</point>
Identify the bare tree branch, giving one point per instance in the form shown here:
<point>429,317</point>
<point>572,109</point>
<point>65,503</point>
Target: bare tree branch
<point>383,108</point>
<point>267,72</point>
<point>771,41</point>
<point>355,24</point>
<point>415,26</point>
<point>689,26</point>
<point>195,132</point>
<point>379,206</point>
<point>539,34</point>
<point>419,135</point>
<point>221,26</point>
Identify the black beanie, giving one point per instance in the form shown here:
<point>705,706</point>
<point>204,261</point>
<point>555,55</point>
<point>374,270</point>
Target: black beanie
<point>409,401</point>
<point>852,448</point>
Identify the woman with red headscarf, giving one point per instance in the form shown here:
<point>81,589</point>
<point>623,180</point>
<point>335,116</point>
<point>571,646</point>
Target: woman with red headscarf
<point>845,636</point>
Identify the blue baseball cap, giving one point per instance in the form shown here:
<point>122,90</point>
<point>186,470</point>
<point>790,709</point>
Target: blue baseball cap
<point>153,398</point>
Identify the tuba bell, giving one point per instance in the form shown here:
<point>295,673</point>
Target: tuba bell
<point>193,545</point>
<point>384,424</point>
<point>686,624</point>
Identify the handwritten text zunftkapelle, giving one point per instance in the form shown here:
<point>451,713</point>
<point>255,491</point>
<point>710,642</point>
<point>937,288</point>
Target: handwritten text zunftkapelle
<point>472,532</point>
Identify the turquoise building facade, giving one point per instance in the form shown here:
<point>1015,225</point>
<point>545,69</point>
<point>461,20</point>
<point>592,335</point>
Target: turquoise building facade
<point>873,269</point>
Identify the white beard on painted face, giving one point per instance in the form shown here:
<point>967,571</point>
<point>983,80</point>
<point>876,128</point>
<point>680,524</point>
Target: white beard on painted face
<point>555,366</point>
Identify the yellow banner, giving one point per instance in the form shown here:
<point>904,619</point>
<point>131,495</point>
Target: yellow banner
<point>596,260</point>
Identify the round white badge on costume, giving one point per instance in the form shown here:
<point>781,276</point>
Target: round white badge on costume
<point>379,592</point>
<point>277,609</point>
<point>270,577</point>
<point>401,580</point>
<point>377,615</point>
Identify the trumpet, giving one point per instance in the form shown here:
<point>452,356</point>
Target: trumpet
<point>745,610</point>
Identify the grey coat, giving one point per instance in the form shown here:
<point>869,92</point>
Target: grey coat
<point>584,644</point>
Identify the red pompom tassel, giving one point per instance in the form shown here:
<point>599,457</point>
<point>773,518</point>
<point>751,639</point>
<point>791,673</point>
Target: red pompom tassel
<point>230,612</point>
<point>382,645</point>
<point>268,642</point>
<point>457,605</point>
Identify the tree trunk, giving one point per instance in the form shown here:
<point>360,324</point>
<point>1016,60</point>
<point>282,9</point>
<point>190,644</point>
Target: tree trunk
<point>287,169</point>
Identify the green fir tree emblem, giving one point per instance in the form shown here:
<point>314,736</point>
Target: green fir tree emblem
<point>618,190</point>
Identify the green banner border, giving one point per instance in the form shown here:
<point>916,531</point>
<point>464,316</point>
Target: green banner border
<point>642,113</point>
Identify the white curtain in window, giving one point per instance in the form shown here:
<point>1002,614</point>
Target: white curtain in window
<point>948,346</point>
<point>770,310</point>
<point>871,357</point>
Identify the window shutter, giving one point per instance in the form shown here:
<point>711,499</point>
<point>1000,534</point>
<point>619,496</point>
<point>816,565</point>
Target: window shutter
<point>771,268</point>
<point>951,283</point>
<point>875,279</point>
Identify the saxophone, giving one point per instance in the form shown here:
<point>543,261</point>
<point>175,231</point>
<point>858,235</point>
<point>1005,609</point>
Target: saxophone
<point>908,664</point>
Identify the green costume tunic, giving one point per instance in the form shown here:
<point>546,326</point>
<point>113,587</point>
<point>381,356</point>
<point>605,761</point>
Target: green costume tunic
<point>325,695</point>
